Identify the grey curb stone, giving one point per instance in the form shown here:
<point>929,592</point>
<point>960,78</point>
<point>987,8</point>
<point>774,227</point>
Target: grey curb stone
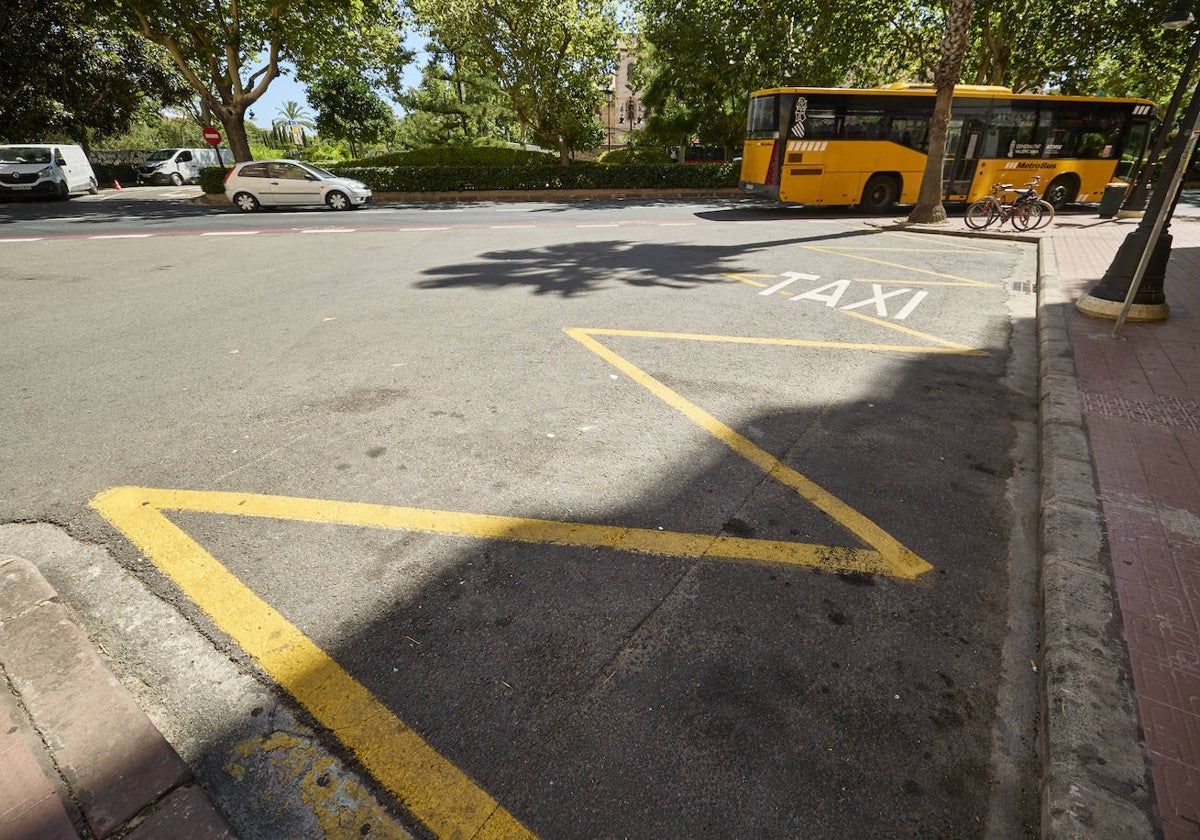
<point>1095,772</point>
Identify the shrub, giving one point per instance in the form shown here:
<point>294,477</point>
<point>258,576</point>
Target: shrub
<point>212,179</point>
<point>544,177</point>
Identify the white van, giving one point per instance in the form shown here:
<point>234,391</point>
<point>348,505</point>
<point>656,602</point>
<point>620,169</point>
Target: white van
<point>180,166</point>
<point>46,170</point>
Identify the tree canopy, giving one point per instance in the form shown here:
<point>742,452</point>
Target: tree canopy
<point>546,56</point>
<point>231,50</point>
<point>64,72</point>
<point>348,109</point>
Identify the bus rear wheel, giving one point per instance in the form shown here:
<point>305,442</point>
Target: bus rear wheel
<point>880,194</point>
<point>1062,191</point>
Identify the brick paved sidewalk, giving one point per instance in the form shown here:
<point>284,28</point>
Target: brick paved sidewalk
<point>79,758</point>
<point>1141,404</point>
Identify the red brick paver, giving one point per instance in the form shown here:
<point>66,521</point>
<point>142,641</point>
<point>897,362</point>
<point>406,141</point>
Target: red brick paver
<point>1141,401</point>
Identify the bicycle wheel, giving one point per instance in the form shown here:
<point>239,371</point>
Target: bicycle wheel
<point>981,214</point>
<point>1047,213</point>
<point>1027,216</point>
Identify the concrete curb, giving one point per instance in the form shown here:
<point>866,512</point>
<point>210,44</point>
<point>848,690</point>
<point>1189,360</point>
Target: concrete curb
<point>1095,779</point>
<point>81,758</point>
<point>1095,771</point>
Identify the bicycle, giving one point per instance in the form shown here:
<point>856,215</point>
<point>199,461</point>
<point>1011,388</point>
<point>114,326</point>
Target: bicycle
<point>1023,214</point>
<point>1030,196</point>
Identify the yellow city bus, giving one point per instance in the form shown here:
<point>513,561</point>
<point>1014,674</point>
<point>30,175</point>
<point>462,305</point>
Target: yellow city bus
<point>867,147</point>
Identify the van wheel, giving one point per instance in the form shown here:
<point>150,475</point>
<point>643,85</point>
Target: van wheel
<point>64,191</point>
<point>93,187</point>
<point>880,194</point>
<point>337,200</point>
<point>245,202</point>
<point>177,179</point>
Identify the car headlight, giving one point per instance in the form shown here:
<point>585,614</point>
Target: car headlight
<point>46,171</point>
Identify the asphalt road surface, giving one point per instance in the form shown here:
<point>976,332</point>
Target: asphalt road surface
<point>616,519</point>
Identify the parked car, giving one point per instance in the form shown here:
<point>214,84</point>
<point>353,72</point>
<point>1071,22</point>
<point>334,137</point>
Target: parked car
<point>48,170</point>
<point>286,183</point>
<point>179,166</point>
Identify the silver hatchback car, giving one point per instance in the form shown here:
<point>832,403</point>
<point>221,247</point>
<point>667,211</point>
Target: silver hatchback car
<point>290,183</point>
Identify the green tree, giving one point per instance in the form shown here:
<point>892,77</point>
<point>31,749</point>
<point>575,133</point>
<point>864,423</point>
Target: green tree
<point>348,109</point>
<point>455,103</point>
<point>231,50</point>
<point>929,207</point>
<point>547,57</point>
<point>700,59</point>
<point>64,72</point>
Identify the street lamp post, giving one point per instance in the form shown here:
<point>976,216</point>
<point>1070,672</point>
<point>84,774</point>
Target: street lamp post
<point>1132,288</point>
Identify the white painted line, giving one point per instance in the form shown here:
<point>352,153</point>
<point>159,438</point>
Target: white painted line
<point>230,233</point>
<point>327,230</point>
<point>509,227</point>
<point>790,277</point>
<point>403,230</point>
<point>25,239</point>
<point>121,236</point>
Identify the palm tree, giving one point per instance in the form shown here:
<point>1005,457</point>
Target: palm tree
<point>293,112</point>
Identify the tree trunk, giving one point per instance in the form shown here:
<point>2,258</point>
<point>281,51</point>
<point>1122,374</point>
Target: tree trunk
<point>564,154</point>
<point>929,209</point>
<point>234,121</point>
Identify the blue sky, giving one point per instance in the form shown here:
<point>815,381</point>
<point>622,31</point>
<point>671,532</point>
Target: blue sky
<point>287,89</point>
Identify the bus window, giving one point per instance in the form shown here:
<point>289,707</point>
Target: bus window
<point>821,123</point>
<point>865,124</point>
<point>763,121</point>
<point>912,132</point>
<point>1015,134</point>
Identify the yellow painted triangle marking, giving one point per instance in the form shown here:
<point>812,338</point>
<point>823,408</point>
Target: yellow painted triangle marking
<point>891,325</point>
<point>898,561</point>
<point>435,791</point>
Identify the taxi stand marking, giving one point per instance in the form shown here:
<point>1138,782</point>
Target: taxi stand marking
<point>433,789</point>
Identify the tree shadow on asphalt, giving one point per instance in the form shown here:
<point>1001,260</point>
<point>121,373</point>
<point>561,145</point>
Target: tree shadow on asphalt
<point>570,269</point>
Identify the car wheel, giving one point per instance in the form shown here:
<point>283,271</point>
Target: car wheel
<point>177,179</point>
<point>245,202</point>
<point>93,187</point>
<point>338,200</point>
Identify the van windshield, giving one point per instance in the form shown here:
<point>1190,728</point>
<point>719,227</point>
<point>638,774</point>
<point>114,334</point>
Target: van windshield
<point>163,154</point>
<point>24,154</point>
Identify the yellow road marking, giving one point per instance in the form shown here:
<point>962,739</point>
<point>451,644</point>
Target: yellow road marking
<point>891,325</point>
<point>745,278</point>
<point>435,791</point>
<point>840,252</point>
<point>949,347</point>
<point>959,244</point>
<point>898,560</point>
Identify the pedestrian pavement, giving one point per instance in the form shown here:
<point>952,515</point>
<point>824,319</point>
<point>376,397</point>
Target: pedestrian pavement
<point>1120,580</point>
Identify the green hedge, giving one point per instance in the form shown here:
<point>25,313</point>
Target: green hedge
<point>546,177</point>
<point>458,156</point>
<point>385,179</point>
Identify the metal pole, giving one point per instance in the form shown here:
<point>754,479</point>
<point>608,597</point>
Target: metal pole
<point>1164,214</point>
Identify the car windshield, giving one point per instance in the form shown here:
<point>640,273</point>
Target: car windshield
<point>163,154</point>
<point>24,154</point>
<point>316,170</point>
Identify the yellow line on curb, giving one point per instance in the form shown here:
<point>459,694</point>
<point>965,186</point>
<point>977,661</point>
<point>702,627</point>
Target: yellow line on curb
<point>435,791</point>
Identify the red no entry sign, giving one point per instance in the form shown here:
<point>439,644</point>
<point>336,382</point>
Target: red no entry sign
<point>211,136</point>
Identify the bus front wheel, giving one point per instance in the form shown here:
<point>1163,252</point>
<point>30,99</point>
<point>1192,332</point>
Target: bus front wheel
<point>880,194</point>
